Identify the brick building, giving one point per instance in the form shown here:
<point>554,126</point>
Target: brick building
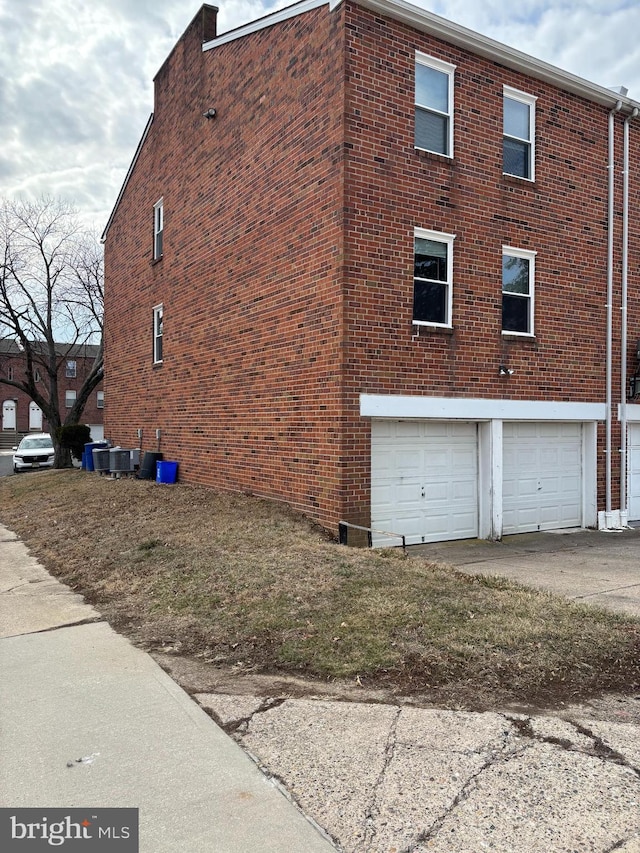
<point>371,263</point>
<point>20,414</point>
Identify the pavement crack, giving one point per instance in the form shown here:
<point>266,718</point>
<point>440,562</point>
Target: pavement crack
<point>372,812</point>
<point>604,751</point>
<point>17,586</point>
<point>495,756</point>
<point>599,748</point>
<point>238,727</point>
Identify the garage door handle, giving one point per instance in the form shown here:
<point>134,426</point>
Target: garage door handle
<point>422,491</point>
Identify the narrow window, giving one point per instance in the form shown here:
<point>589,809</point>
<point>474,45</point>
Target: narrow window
<point>69,398</point>
<point>158,229</point>
<point>157,334</point>
<point>434,105</point>
<point>518,134</point>
<point>100,399</point>
<point>432,278</point>
<point>70,370</point>
<point>36,375</point>
<point>10,373</point>
<point>518,269</point>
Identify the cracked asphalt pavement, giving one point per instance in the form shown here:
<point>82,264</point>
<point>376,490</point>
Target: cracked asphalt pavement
<point>397,779</point>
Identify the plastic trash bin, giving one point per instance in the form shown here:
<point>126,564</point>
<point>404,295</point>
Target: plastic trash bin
<point>166,472</point>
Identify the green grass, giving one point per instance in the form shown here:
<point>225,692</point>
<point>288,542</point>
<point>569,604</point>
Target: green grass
<point>237,580</point>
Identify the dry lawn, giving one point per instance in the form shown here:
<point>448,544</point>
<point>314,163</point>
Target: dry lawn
<point>243,583</point>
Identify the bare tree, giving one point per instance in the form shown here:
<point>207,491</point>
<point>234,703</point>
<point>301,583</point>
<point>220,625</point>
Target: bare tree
<point>51,303</point>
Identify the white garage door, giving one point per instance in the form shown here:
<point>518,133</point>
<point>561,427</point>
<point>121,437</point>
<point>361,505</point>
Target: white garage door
<point>633,452</point>
<point>542,485</point>
<point>424,480</point>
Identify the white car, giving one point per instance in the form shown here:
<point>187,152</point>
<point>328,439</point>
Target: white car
<point>34,451</point>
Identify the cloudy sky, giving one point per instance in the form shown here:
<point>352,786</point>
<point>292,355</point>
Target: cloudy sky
<point>76,75</point>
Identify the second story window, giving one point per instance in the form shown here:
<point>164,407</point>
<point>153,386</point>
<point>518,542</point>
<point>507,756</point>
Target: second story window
<point>518,134</point>
<point>70,370</point>
<point>100,399</point>
<point>434,105</point>
<point>69,399</point>
<point>10,373</point>
<point>157,334</point>
<point>432,278</point>
<point>518,269</point>
<point>158,229</point>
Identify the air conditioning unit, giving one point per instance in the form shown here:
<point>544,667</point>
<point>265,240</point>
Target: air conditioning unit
<point>120,461</point>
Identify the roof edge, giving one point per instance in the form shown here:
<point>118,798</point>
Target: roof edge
<point>429,22</point>
<point>264,22</point>
<point>145,133</point>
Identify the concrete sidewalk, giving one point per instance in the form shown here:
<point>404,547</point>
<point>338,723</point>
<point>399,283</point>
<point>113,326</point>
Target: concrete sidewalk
<point>87,720</point>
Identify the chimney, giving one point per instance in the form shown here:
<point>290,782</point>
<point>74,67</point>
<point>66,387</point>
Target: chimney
<point>208,22</point>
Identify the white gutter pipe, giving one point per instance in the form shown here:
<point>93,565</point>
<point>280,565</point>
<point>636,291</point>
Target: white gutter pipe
<point>624,510</point>
<point>609,307</point>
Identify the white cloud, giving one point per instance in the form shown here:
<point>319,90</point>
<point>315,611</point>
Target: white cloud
<point>76,75</point>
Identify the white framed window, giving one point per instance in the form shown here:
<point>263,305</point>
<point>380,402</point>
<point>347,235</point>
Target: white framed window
<point>518,291</point>
<point>432,278</point>
<point>69,399</point>
<point>100,399</point>
<point>434,105</point>
<point>518,143</point>
<point>70,369</point>
<point>158,229</point>
<point>157,334</point>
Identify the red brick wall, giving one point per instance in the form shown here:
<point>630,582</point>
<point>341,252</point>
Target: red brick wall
<point>248,395</point>
<point>392,188</point>
<point>287,276</point>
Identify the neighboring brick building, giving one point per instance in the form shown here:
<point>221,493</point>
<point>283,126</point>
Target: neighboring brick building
<point>21,415</point>
<point>370,263</point>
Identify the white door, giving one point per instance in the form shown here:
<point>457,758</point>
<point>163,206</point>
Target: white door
<point>35,417</point>
<point>424,480</point>
<point>542,476</point>
<point>633,464</point>
<point>9,414</point>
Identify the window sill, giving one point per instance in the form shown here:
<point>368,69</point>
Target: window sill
<point>157,363</point>
<point>419,331</point>
<point>518,336</point>
<point>518,180</point>
<point>155,261</point>
<point>423,154</point>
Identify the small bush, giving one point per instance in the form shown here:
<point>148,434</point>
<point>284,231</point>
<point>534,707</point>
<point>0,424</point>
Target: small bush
<point>74,437</point>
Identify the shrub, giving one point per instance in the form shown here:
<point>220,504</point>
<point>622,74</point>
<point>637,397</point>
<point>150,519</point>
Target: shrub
<point>74,437</point>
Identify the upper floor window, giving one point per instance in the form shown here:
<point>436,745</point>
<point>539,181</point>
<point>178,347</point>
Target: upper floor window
<point>158,228</point>
<point>157,334</point>
<point>10,373</point>
<point>432,278</point>
<point>518,134</point>
<point>518,274</point>
<point>69,399</point>
<point>434,105</point>
<point>100,399</point>
<point>70,370</point>
<point>36,375</point>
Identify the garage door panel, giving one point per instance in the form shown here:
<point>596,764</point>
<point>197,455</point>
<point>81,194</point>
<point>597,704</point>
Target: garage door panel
<point>542,469</point>
<point>424,479</point>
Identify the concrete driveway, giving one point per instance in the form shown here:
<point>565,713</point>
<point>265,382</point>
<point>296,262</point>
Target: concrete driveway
<point>597,567</point>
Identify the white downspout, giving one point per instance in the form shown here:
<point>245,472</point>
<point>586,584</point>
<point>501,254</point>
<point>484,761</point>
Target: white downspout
<point>609,306</point>
<point>624,510</point>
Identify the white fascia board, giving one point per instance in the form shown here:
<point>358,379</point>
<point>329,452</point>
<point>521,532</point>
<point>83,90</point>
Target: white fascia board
<point>266,21</point>
<point>434,25</point>
<point>471,409</point>
<point>632,413</point>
